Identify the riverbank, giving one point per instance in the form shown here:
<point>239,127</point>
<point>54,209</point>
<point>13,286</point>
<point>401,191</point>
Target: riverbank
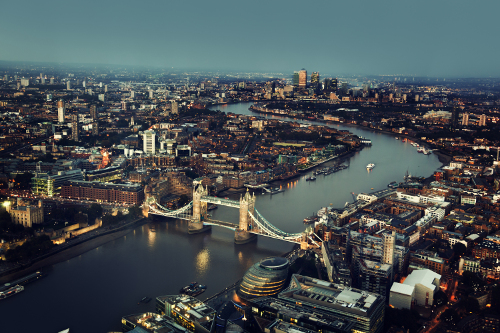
<point>444,158</point>
<point>72,251</point>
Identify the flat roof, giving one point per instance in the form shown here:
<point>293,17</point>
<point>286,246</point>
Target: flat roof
<point>401,288</point>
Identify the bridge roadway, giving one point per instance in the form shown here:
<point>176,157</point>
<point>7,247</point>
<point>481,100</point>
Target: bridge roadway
<point>221,201</point>
<point>228,225</point>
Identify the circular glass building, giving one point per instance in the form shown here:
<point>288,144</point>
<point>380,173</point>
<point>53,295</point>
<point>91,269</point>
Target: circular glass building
<point>265,278</point>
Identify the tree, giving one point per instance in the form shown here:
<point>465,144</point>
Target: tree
<point>450,316</point>
<point>93,212</point>
<point>135,211</point>
<point>459,249</point>
<point>440,298</point>
<point>183,200</point>
<point>472,305</point>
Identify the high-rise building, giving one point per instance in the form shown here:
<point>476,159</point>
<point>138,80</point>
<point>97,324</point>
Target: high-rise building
<point>60,111</point>
<point>149,141</point>
<point>389,245</point>
<point>101,97</point>
<point>482,120</point>
<point>25,82</point>
<point>75,129</point>
<point>93,112</point>
<point>51,80</point>
<point>295,80</point>
<point>132,94</point>
<point>174,107</point>
<point>315,79</point>
<point>42,80</point>
<point>124,105</point>
<point>302,78</point>
<point>151,94</point>
<point>105,88</point>
<point>465,119</point>
<point>84,84</point>
<point>68,85</point>
<point>95,128</point>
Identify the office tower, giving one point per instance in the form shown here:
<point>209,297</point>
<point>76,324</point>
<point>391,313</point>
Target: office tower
<point>295,80</point>
<point>315,79</point>
<point>51,80</point>
<point>93,112</point>
<point>465,119</point>
<point>95,128</point>
<point>68,85</point>
<point>84,84</point>
<point>389,241</point>
<point>132,94</point>
<point>75,130</point>
<point>42,81</point>
<point>417,98</point>
<point>149,141</point>
<point>482,120</point>
<point>25,82</point>
<point>124,105</point>
<point>41,75</point>
<point>60,111</point>
<point>18,85</point>
<point>132,122</point>
<point>151,94</point>
<point>101,97</point>
<point>105,88</point>
<point>49,97</point>
<point>174,107</point>
<point>302,78</point>
<point>15,77</point>
<point>100,84</point>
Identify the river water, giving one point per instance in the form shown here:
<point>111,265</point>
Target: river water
<point>91,292</point>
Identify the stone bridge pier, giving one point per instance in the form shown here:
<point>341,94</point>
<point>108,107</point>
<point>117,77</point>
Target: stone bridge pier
<point>242,235</point>
<point>195,225</point>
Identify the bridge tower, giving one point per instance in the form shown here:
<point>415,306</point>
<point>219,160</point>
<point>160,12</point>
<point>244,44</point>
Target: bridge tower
<point>199,211</point>
<point>242,235</point>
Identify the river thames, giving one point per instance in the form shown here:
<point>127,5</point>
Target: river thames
<point>91,292</point>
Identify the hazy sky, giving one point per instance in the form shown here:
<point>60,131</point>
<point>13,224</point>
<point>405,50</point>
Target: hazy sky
<point>424,37</point>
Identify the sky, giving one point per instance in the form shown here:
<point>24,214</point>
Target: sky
<point>437,38</point>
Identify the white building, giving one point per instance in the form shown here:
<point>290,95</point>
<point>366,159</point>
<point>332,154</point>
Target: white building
<point>149,142</point>
<point>61,111</point>
<point>419,287</point>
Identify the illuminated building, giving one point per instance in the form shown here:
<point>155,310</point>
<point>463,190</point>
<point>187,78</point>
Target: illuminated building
<point>96,191</point>
<point>149,142</point>
<point>68,85</point>
<point>93,112</point>
<point>482,120</point>
<point>295,80</point>
<point>465,119</point>
<point>26,214</point>
<point>265,278</point>
<point>75,130</point>
<point>302,78</point>
<point>420,286</point>
<point>149,322</point>
<point>322,298</point>
<point>44,184</point>
<point>315,79</point>
<point>60,111</point>
<point>187,312</point>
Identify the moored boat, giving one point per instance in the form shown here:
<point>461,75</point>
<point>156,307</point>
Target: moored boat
<point>370,166</point>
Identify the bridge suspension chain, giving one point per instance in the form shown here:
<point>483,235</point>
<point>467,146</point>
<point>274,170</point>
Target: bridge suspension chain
<point>271,229</point>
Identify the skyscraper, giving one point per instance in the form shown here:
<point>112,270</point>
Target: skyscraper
<point>60,111</point>
<point>174,107</point>
<point>465,119</point>
<point>68,85</point>
<point>149,141</point>
<point>482,120</point>
<point>331,85</point>
<point>295,80</point>
<point>75,129</point>
<point>315,79</point>
<point>93,112</point>
<point>95,128</point>
<point>302,78</point>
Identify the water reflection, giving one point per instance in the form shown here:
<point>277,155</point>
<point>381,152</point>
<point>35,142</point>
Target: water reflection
<point>202,262</point>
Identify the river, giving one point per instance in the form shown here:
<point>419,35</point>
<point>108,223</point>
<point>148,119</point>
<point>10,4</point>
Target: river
<point>91,292</point>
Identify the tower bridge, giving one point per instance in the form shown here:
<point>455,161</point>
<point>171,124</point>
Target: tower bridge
<point>251,222</point>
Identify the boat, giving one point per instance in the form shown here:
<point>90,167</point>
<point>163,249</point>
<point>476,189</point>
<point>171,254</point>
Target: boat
<point>392,185</point>
<point>193,289</point>
<point>370,166</point>
<point>397,138</point>
<point>427,152</point>
<point>277,190</point>
<point>311,178</point>
<point>212,207</point>
<point>11,291</point>
<point>144,300</point>
<point>420,150</point>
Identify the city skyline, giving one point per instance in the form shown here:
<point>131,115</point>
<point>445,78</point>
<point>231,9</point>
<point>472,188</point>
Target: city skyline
<point>421,39</point>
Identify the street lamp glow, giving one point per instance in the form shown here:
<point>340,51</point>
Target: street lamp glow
<point>6,204</point>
